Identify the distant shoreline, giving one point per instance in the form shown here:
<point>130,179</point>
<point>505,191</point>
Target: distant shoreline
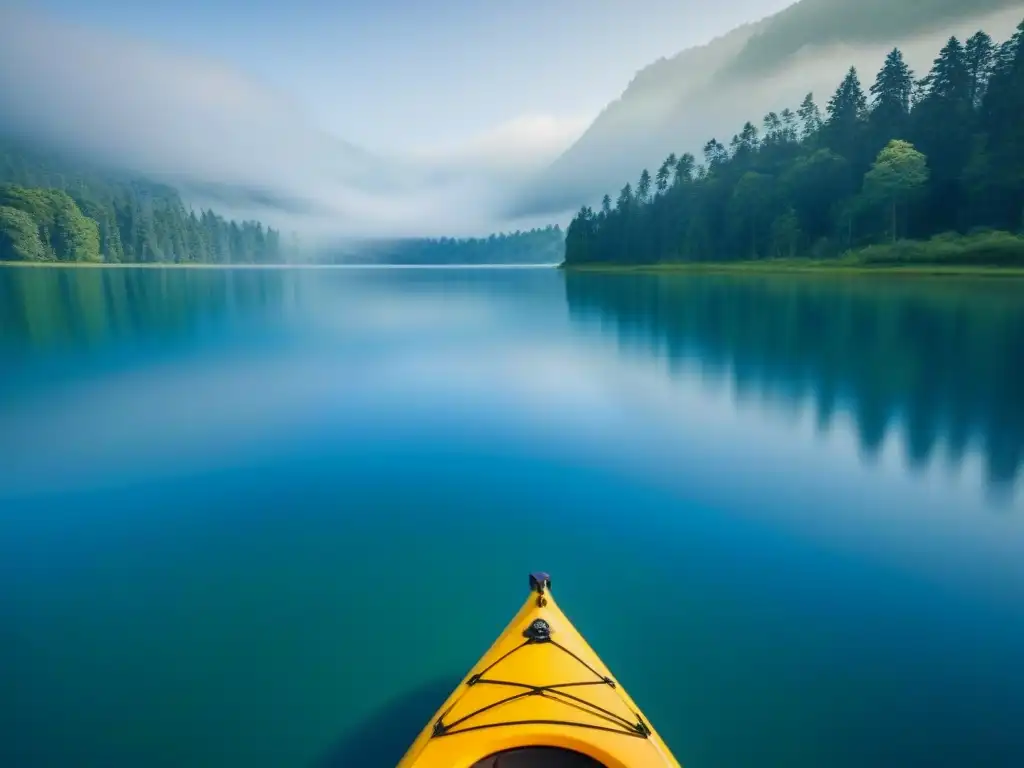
<point>305,265</point>
<point>797,266</point>
<point>767,266</point>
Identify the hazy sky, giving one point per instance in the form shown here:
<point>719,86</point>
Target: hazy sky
<point>455,100</point>
<point>416,73</point>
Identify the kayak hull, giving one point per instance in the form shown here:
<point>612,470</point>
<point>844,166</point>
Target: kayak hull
<point>539,685</point>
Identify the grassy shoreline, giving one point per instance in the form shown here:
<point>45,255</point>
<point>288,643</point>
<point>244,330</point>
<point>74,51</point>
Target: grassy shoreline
<point>768,266</point>
<point>296,265</point>
<point>801,266</point>
<point>988,254</point>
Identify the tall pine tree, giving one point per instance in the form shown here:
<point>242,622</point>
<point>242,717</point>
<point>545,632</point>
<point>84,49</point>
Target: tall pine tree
<point>891,94</point>
<point>844,127</point>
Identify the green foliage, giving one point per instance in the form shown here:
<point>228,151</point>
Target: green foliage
<point>999,249</point>
<point>786,234</point>
<point>945,153</point>
<point>19,236</point>
<point>64,234</point>
<point>751,200</point>
<point>82,213</point>
<point>1001,192</point>
<point>899,175</point>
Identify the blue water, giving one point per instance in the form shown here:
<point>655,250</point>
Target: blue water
<point>270,517</point>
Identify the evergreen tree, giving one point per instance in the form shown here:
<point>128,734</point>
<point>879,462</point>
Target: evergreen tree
<point>846,112</point>
<point>810,117</point>
<point>684,167</point>
<point>891,95</point>
<point>661,179</point>
<point>790,133</point>
<point>944,124</point>
<point>715,154</point>
<point>950,79</point>
<point>1001,118</point>
<point>980,57</point>
<point>643,187</point>
<point>772,128</point>
<point>625,201</point>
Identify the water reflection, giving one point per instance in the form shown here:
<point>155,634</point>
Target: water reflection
<point>940,361</point>
<point>45,310</point>
<point>228,499</point>
<point>89,308</point>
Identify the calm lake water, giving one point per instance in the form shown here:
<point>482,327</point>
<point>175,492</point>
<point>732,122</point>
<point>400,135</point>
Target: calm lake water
<point>270,517</point>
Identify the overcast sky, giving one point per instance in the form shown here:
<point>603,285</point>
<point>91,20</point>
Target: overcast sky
<point>472,88</point>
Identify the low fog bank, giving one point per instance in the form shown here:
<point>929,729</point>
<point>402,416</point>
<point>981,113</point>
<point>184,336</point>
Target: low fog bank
<point>233,144</point>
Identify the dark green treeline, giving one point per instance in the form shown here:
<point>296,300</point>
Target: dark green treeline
<point>535,246</point>
<point>909,158</point>
<point>54,208</point>
<point>937,361</point>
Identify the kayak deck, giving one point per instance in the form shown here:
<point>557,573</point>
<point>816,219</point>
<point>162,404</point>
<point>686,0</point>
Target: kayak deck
<point>539,685</point>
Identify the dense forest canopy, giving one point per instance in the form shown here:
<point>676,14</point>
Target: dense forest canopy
<point>55,208</point>
<point>536,246</point>
<point>904,158</point>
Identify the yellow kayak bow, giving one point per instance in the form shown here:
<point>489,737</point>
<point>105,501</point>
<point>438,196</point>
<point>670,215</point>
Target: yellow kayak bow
<point>539,697</point>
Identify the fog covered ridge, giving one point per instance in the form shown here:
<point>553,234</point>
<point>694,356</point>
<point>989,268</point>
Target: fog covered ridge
<point>678,104</point>
<point>816,23</point>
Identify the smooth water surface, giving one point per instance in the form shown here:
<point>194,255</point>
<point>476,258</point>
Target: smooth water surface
<point>270,517</point>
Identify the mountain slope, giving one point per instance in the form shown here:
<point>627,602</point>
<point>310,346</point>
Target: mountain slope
<point>676,105</point>
<point>59,207</point>
<point>824,22</point>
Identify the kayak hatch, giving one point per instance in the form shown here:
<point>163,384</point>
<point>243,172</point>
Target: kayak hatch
<point>539,697</point>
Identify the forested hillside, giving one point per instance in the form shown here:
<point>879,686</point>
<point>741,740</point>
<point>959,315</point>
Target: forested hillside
<point>675,104</point>
<point>535,246</point>
<point>908,158</point>
<point>55,208</point>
